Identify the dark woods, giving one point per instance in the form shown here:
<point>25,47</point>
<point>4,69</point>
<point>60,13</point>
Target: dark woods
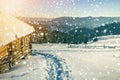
<point>60,32</point>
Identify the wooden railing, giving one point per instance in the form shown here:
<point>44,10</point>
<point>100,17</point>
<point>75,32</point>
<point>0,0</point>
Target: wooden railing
<point>13,52</point>
<point>4,62</point>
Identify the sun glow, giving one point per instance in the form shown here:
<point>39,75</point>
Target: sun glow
<point>18,7</point>
<point>10,6</point>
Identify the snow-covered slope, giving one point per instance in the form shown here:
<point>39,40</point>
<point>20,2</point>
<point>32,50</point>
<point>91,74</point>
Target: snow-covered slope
<point>111,40</point>
<point>12,28</point>
<point>71,62</point>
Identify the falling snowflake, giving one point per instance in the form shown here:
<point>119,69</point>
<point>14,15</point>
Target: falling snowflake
<point>105,31</point>
<point>41,34</point>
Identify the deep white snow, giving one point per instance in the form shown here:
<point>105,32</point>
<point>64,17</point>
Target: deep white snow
<point>95,61</point>
<point>12,28</point>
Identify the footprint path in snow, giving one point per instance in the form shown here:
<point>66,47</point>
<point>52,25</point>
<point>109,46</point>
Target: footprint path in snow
<point>57,67</point>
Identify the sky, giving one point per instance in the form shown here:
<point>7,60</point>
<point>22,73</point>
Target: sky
<point>59,8</point>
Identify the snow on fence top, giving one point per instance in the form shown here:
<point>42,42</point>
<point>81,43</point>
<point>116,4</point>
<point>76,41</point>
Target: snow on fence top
<point>12,28</point>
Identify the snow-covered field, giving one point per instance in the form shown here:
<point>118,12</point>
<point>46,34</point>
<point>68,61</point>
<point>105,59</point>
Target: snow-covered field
<point>95,61</point>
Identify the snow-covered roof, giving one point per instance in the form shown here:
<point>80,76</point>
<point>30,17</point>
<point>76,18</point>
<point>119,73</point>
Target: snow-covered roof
<point>12,28</point>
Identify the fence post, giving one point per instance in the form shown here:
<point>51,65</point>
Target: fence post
<point>22,47</point>
<point>10,55</point>
<point>30,43</point>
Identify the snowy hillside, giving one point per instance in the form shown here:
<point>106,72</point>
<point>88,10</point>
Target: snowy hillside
<point>111,40</point>
<point>95,61</point>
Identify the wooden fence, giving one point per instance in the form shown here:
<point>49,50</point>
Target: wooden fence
<point>13,52</point>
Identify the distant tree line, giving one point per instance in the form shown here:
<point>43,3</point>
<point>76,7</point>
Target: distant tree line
<point>72,30</point>
<point>76,36</point>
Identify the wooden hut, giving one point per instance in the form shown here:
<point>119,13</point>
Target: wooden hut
<point>15,39</point>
